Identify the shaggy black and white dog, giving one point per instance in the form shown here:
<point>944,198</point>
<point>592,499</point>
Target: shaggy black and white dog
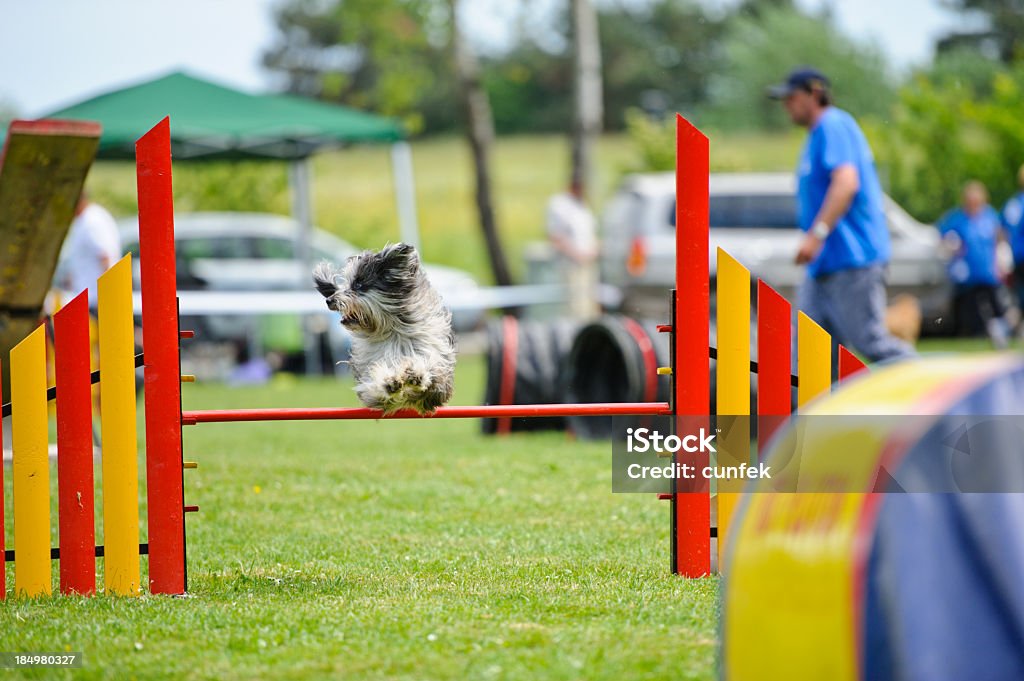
<point>403,348</point>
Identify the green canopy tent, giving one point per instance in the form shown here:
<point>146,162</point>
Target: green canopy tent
<point>211,121</point>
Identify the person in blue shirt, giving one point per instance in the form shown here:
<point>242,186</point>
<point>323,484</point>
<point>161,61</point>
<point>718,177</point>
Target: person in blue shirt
<point>846,238</point>
<point>971,234</point>
<point>1013,223</point>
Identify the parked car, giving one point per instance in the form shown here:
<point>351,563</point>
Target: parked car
<point>753,217</point>
<point>256,252</point>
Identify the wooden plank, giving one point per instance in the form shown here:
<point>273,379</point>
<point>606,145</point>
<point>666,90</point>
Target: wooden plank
<point>814,360</point>
<point>733,327</point>
<point>44,164</point>
<point>691,508</point>
<point>774,362</point>
<point>74,447</point>
<point>732,385</point>
<point>118,430</point>
<point>849,364</point>
<point>164,484</point>
<point>30,466</point>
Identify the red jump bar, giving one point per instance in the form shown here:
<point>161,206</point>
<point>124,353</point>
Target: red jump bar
<point>191,418</point>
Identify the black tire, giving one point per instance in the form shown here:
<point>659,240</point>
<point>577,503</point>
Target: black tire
<point>615,359</point>
<point>537,367</point>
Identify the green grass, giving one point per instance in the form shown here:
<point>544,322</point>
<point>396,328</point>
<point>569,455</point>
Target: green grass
<point>353,191</point>
<point>399,550</point>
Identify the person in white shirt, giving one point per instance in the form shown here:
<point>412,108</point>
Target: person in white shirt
<point>572,230</point>
<point>91,247</point>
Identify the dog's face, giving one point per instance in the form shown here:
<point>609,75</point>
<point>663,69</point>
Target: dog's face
<point>374,288</point>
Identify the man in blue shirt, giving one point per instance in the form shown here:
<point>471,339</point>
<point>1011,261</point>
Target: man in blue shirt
<point>971,234</point>
<point>1013,223</point>
<point>846,242</point>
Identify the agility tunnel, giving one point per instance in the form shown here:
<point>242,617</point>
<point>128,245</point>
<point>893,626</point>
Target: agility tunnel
<point>895,548</point>
<point>526,364</point>
<point>614,359</point>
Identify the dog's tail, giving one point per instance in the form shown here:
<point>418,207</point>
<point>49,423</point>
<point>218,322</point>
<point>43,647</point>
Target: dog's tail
<point>323,276</point>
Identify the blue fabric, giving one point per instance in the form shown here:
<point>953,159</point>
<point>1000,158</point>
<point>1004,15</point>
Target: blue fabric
<point>974,263</point>
<point>1013,221</point>
<point>943,594</point>
<point>861,237</point>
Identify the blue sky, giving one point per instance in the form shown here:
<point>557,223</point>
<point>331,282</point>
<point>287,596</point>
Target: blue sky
<point>55,52</point>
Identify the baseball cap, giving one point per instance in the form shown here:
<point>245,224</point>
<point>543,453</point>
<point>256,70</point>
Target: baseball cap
<point>801,78</point>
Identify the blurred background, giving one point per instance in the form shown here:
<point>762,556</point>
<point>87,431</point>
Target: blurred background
<point>504,102</point>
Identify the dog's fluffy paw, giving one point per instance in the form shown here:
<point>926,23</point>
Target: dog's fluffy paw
<point>393,385</point>
<point>416,378</point>
<point>409,385</point>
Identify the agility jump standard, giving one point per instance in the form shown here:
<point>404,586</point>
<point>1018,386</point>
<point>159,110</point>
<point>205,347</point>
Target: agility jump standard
<point>164,418</point>
<point>690,364</point>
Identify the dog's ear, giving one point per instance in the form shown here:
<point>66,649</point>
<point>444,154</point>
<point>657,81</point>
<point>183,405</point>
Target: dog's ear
<point>399,256</point>
<point>323,277</point>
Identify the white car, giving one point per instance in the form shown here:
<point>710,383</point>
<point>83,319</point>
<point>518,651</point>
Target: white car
<point>256,252</point>
<point>753,217</point>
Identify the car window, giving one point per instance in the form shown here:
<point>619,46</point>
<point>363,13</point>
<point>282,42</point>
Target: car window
<point>749,211</point>
<point>274,248</point>
<point>223,248</point>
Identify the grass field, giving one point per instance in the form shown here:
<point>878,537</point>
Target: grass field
<point>398,550</point>
<point>402,550</point>
<point>353,193</point>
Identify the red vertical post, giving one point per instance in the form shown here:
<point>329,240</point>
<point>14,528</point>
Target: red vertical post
<point>164,488</point>
<point>774,363</point>
<point>691,507</point>
<point>74,447</point>
<point>849,364</point>
<point>507,377</point>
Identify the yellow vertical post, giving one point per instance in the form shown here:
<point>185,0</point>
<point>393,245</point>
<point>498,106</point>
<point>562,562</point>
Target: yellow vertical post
<point>813,360</point>
<point>31,466</point>
<point>732,385</point>
<point>117,425</point>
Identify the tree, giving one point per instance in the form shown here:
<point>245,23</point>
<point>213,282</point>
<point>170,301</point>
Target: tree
<point>480,132</point>
<point>656,55</point>
<point>387,56</point>
<point>1002,33</point>
<point>964,67</point>
<point>530,89</point>
<point>945,131</point>
<point>587,81</point>
<point>758,50</point>
<point>659,57</point>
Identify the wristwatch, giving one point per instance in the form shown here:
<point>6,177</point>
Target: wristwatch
<point>821,229</point>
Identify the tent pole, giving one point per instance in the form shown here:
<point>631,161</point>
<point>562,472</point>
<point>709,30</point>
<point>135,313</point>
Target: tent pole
<point>405,193</point>
<point>299,173</point>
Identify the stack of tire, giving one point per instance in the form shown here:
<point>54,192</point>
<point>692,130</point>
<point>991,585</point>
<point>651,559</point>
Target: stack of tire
<point>526,365</point>
<point>613,359</point>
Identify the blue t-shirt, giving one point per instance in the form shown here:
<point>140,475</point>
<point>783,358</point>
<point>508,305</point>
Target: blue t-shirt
<point>861,237</point>
<point>1013,221</point>
<point>974,263</point>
